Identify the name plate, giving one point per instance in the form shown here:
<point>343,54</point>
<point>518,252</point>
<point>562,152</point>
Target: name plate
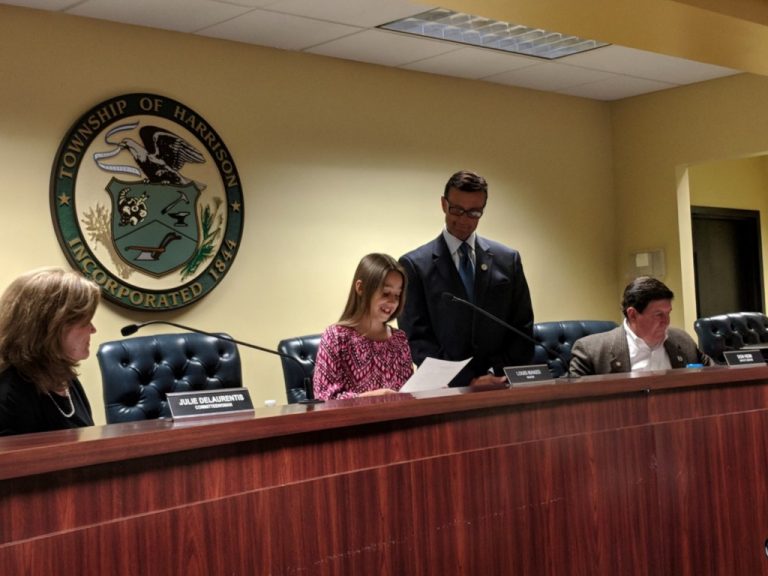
<point>743,357</point>
<point>203,403</point>
<point>522,375</point>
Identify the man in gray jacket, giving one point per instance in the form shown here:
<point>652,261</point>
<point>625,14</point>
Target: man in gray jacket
<point>643,342</point>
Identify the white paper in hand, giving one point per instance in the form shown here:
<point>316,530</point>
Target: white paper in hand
<point>433,373</point>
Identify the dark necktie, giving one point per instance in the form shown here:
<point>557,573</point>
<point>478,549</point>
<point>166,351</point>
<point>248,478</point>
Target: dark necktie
<point>467,271</point>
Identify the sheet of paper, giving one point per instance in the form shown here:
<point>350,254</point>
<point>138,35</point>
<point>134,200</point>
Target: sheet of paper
<point>433,373</point>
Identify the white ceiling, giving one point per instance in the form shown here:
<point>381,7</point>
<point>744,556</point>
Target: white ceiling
<point>347,29</point>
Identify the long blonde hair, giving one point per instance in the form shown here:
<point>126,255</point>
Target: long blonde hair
<point>371,271</point>
<point>35,310</point>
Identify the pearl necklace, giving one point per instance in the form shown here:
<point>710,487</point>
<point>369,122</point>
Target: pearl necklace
<point>71,405</point>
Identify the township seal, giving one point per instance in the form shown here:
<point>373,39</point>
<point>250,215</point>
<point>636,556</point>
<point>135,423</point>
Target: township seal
<point>146,201</point>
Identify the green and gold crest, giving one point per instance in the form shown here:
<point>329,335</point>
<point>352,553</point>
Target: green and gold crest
<point>146,201</point>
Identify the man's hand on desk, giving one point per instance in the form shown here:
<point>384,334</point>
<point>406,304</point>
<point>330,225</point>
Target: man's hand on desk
<point>488,380</point>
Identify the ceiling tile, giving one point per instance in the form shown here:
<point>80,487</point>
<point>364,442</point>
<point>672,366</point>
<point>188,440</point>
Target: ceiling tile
<point>179,15</point>
<point>366,13</point>
<point>471,63</point>
<point>548,76</point>
<point>53,5</point>
<point>381,47</point>
<point>278,30</point>
<point>649,65</point>
<point>246,3</point>
<point>346,29</point>
<point>615,88</point>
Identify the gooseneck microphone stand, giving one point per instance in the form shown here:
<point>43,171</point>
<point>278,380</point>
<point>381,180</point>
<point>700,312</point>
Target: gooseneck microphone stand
<point>553,353</point>
<point>308,391</point>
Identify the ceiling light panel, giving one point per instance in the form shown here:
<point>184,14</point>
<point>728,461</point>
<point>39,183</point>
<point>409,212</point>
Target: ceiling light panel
<point>463,28</point>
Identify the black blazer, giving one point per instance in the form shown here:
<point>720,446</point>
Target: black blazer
<point>448,330</point>
<point>23,409</point>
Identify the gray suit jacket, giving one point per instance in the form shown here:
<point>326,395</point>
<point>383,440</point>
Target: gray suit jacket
<point>608,352</point>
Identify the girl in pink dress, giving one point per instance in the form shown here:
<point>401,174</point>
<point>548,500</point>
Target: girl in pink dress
<point>362,355</point>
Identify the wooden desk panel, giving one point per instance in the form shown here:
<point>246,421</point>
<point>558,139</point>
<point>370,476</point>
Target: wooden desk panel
<point>655,475</point>
<point>713,475</point>
<point>538,507</point>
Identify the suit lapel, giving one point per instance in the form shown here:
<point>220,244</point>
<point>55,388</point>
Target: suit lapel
<point>675,355</point>
<point>620,352</point>
<point>443,263</point>
<point>483,268</point>
<point>620,361</point>
<point>445,268</point>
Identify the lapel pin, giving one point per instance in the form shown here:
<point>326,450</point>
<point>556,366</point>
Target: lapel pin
<point>483,267</point>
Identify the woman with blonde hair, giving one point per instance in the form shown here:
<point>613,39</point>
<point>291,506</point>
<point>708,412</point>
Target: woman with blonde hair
<point>362,355</point>
<point>45,331</point>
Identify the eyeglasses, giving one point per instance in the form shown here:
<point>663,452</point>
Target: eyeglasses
<point>454,210</point>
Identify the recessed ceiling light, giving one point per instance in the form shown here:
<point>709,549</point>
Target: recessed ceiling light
<point>463,28</point>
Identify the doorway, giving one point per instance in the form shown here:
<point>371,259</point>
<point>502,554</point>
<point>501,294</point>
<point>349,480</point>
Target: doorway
<point>727,260</point>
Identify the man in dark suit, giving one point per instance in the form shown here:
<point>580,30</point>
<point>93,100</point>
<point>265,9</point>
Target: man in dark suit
<point>473,268</point>
<point>644,342</point>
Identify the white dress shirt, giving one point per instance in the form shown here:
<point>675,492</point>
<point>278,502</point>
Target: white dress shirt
<point>454,244</point>
<point>642,357</point>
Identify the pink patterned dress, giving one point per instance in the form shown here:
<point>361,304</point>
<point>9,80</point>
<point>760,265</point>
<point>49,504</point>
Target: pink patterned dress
<point>348,363</point>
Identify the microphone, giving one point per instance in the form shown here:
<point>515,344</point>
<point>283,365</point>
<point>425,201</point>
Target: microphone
<point>310,396</point>
<point>554,353</point>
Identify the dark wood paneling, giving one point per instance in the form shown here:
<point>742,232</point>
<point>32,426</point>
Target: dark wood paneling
<point>662,474</point>
<point>712,473</point>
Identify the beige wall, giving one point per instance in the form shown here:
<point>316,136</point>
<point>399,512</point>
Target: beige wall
<point>731,34</point>
<point>740,184</point>
<point>657,137</point>
<point>336,158</point>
